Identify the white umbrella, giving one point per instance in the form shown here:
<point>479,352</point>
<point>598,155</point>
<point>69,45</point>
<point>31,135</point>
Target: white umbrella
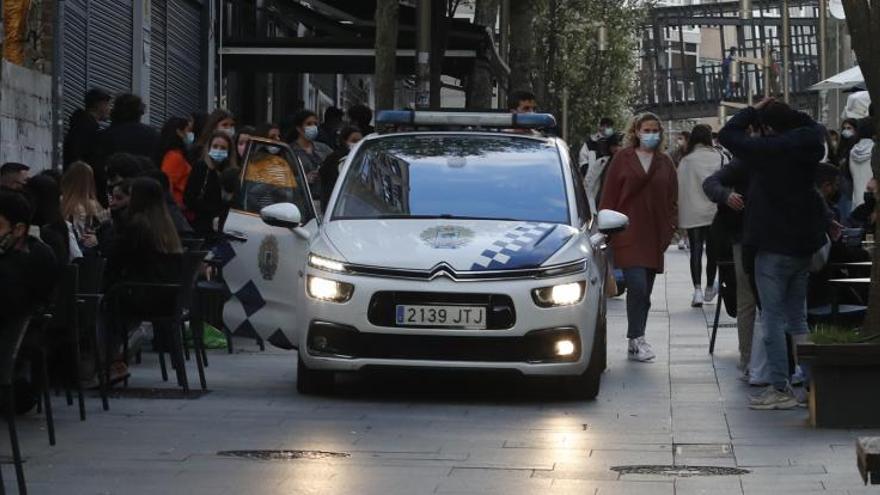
<point>845,80</point>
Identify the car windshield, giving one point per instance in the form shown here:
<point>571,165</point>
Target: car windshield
<point>455,176</point>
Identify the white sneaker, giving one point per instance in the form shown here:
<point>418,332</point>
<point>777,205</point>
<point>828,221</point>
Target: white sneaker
<point>682,244</point>
<point>711,292</point>
<point>771,399</point>
<point>697,301</point>
<point>640,350</point>
<point>798,377</point>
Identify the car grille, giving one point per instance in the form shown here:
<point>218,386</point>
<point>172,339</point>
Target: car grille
<point>500,312</point>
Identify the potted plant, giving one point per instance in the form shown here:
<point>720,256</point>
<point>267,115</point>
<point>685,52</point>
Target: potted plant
<point>844,368</point>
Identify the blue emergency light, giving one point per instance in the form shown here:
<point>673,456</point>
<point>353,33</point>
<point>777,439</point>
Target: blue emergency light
<point>469,119</point>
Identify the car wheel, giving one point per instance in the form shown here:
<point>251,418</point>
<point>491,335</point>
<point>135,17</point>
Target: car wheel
<point>586,385</point>
<point>312,382</point>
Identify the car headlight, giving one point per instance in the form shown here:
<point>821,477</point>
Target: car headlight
<point>324,289</point>
<point>559,295</point>
<point>327,264</point>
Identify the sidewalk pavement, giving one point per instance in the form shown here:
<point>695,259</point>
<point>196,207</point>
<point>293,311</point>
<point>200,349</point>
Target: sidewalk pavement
<point>411,434</point>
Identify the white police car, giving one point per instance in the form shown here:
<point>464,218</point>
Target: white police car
<point>468,249</point>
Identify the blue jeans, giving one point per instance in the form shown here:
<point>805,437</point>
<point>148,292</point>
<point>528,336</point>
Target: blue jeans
<point>639,285</point>
<point>782,290</point>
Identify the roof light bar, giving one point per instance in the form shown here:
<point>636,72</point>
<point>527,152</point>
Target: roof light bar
<point>475,119</point>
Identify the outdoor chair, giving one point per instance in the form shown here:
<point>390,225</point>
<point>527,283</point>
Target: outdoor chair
<point>167,306</point>
<point>89,294</point>
<point>12,331</point>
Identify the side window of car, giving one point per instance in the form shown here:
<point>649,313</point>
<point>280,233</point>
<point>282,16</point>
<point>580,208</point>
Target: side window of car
<point>272,175</point>
<point>580,195</point>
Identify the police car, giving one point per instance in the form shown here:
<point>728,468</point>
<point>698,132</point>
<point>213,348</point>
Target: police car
<point>462,240</point>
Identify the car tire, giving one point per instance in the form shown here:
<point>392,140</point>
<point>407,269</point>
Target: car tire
<point>586,385</point>
<point>312,382</point>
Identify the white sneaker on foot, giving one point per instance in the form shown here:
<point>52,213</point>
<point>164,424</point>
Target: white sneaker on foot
<point>711,292</point>
<point>697,301</point>
<point>640,350</point>
<point>682,244</point>
<point>798,378</point>
<point>771,399</point>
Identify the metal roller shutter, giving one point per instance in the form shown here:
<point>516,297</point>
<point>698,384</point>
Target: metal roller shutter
<point>74,77</point>
<point>158,64</point>
<point>184,58</point>
<point>110,45</point>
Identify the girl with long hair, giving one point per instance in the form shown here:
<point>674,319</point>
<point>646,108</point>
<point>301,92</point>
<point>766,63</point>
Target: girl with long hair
<point>695,211</point>
<point>177,135</point>
<point>80,206</point>
<point>642,184</point>
<point>203,196</point>
<point>220,120</point>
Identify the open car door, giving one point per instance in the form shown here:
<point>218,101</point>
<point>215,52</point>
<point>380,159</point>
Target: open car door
<point>264,273</point>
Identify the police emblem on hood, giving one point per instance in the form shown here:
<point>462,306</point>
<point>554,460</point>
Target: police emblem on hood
<point>447,236</point>
<point>268,257</point>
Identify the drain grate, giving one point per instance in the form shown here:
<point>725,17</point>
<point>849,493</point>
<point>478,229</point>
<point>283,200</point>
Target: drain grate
<point>282,455</point>
<point>681,471</point>
<point>155,393</point>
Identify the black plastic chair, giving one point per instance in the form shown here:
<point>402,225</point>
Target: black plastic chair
<point>12,332</point>
<point>89,295</point>
<point>167,306</point>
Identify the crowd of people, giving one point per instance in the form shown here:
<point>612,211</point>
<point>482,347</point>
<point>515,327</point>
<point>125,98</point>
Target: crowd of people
<point>134,195</point>
<point>774,194</point>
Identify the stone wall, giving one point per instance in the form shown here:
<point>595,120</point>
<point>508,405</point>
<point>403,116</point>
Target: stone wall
<point>25,116</point>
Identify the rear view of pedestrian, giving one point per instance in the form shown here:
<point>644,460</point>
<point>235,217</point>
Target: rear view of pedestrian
<point>696,211</point>
<point>642,184</point>
<point>81,140</point>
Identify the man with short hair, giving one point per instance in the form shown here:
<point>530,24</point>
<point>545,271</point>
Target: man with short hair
<point>13,176</point>
<point>596,146</point>
<point>522,102</point>
<point>85,123</point>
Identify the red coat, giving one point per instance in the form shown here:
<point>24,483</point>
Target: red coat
<point>649,200</point>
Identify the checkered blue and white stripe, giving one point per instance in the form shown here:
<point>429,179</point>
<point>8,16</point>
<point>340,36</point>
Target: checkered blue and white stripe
<point>514,248</point>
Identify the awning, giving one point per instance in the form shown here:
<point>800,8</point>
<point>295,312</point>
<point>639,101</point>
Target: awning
<point>847,79</point>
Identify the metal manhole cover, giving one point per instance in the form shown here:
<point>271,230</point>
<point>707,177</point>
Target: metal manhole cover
<point>282,455</point>
<point>155,393</point>
<point>681,471</point>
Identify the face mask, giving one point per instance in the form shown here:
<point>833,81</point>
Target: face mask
<point>649,140</point>
<point>847,133</point>
<point>273,149</point>
<point>230,131</point>
<point>311,132</point>
<point>190,138</point>
<point>609,131</point>
<point>218,155</point>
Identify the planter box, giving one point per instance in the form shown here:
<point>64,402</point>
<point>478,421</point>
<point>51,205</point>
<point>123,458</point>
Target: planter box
<point>845,384</point>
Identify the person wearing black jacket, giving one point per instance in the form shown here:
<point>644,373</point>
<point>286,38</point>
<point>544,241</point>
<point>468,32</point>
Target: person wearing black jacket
<point>203,196</point>
<point>81,140</point>
<point>785,222</point>
<point>728,188</point>
<point>126,135</point>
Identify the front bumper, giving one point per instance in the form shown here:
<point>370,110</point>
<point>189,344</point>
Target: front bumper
<point>344,337</point>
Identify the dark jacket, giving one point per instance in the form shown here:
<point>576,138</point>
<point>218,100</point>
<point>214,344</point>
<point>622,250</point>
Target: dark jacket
<point>28,277</point>
<point>131,258</point>
<point>128,137</point>
<point>81,140</point>
<point>733,177</point>
<point>203,198</point>
<point>329,174</point>
<point>785,213</point>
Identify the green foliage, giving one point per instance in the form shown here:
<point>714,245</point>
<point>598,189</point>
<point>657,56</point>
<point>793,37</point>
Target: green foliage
<point>825,334</point>
<point>600,82</point>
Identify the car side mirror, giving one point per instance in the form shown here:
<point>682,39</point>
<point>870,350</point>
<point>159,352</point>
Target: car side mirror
<point>611,221</point>
<point>285,215</point>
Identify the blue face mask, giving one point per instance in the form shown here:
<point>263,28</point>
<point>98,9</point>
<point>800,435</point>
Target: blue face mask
<point>311,132</point>
<point>190,138</point>
<point>649,140</point>
<point>218,155</point>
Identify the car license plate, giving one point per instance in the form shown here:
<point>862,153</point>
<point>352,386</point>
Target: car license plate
<point>470,317</point>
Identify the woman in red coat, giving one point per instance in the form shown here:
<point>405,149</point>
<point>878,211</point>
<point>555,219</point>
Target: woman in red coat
<point>642,184</point>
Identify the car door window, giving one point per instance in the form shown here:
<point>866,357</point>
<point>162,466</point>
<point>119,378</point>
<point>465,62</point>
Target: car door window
<point>272,175</point>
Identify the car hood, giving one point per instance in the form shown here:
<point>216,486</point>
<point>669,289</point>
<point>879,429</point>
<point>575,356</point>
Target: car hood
<point>464,245</point>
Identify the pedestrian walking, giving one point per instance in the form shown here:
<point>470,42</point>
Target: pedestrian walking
<point>126,134</point>
<point>311,153</point>
<point>597,145</point>
<point>597,173</point>
<point>726,75</point>
<point>642,184</point>
<point>81,140</point>
<point>860,162</point>
<point>176,137</point>
<point>696,211</point>
<point>328,131</point>
<point>786,223</point>
<point>203,196</point>
<point>680,149</point>
<point>361,116</point>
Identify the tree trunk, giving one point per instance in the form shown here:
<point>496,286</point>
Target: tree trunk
<point>479,84</point>
<point>863,20</point>
<point>522,42</point>
<point>386,52</point>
